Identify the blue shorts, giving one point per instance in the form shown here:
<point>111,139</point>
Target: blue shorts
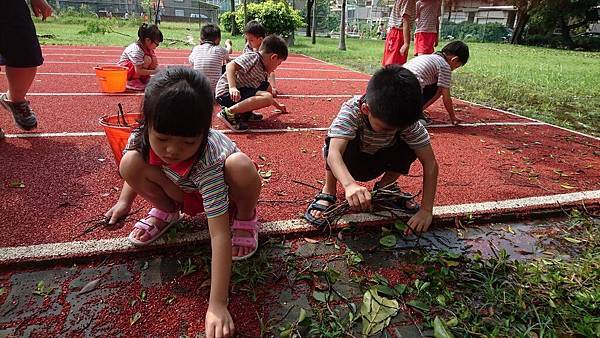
<point>19,45</point>
<point>245,93</point>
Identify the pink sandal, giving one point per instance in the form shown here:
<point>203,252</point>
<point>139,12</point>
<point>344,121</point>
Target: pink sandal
<point>168,217</point>
<point>245,242</point>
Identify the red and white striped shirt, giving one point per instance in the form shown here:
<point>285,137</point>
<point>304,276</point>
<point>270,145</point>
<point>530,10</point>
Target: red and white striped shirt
<point>400,8</point>
<point>209,59</point>
<point>428,16</point>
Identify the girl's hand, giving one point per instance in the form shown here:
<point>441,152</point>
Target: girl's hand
<point>218,322</point>
<point>118,211</point>
<point>234,93</point>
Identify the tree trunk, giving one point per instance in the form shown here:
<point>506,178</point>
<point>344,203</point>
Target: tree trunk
<point>342,45</point>
<point>309,14</point>
<point>566,33</point>
<point>522,19</point>
<point>245,12</point>
<point>234,28</point>
<point>314,24</point>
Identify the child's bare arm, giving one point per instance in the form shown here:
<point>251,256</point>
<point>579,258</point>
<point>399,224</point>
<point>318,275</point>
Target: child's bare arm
<point>231,69</point>
<point>421,221</point>
<point>406,34</point>
<point>357,196</point>
<point>142,71</point>
<point>273,84</point>
<point>218,319</point>
<point>228,46</point>
<point>447,98</point>
<point>123,205</point>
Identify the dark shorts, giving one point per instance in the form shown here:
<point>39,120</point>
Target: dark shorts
<point>245,93</point>
<point>19,45</point>
<point>429,92</point>
<point>365,167</point>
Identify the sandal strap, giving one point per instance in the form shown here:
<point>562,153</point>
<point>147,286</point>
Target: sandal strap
<point>325,197</point>
<point>249,225</point>
<point>163,215</point>
<point>318,207</point>
<point>246,242</point>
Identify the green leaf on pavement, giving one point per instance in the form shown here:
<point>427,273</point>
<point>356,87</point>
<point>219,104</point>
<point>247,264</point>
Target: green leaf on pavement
<point>320,296</point>
<point>440,330</point>
<point>419,305</point>
<point>376,312</point>
<point>400,289</point>
<point>400,225</point>
<point>134,318</point>
<point>388,241</point>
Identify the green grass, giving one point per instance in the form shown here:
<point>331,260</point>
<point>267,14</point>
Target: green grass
<point>555,86</point>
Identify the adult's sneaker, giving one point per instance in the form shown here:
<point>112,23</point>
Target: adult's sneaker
<point>231,121</point>
<point>22,114</point>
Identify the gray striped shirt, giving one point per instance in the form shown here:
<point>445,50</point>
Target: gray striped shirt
<point>428,13</point>
<point>206,175</point>
<point>209,59</point>
<point>431,69</point>
<point>400,8</point>
<point>133,53</point>
<point>251,73</point>
<point>351,122</point>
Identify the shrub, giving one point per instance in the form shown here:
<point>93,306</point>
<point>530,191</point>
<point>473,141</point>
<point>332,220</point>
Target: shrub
<point>469,31</point>
<point>277,17</point>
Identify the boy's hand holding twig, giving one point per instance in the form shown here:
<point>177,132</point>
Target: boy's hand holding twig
<point>358,197</point>
<point>419,222</point>
<point>118,211</point>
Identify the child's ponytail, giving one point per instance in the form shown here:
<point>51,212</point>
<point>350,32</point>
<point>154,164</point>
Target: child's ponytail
<point>151,32</point>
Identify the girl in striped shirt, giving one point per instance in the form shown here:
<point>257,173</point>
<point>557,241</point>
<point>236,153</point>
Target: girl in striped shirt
<point>139,57</point>
<point>428,21</point>
<point>176,162</point>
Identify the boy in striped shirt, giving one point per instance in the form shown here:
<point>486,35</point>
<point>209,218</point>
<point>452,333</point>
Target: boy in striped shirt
<point>378,135</point>
<point>428,21</point>
<point>434,72</point>
<point>397,41</point>
<point>208,57</point>
<point>245,87</point>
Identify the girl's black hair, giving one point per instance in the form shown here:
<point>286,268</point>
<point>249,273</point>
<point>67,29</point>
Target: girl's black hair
<point>151,32</point>
<point>178,101</point>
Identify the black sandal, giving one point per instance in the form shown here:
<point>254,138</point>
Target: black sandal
<point>402,202</point>
<point>314,205</point>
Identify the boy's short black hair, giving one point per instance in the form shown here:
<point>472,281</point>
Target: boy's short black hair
<point>255,28</point>
<point>394,96</point>
<point>276,45</point>
<point>459,49</point>
<point>210,32</point>
<point>151,32</point>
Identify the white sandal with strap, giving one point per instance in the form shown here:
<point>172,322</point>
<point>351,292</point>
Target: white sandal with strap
<point>151,229</point>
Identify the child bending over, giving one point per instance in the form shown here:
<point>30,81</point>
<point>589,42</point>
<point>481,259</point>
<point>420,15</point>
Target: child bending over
<point>255,33</point>
<point>177,162</point>
<point>434,72</point>
<point>139,57</point>
<point>374,135</point>
<point>209,57</point>
<point>244,86</point>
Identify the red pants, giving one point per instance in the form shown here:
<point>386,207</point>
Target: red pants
<point>393,43</point>
<point>425,42</point>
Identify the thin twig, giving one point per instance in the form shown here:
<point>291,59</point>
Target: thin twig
<point>306,184</point>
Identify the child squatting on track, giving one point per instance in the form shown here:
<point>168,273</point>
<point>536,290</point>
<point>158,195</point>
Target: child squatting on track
<point>378,134</point>
<point>434,72</point>
<point>255,33</point>
<point>139,57</point>
<point>177,162</point>
<point>244,86</point>
<point>208,57</point>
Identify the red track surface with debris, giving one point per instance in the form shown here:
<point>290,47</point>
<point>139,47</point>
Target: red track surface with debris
<point>69,179</point>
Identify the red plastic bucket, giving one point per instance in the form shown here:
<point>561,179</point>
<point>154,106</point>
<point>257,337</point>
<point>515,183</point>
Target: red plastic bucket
<point>117,132</point>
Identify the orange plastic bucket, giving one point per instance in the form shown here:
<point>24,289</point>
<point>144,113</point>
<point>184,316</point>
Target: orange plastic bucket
<point>118,133</point>
<point>112,79</point>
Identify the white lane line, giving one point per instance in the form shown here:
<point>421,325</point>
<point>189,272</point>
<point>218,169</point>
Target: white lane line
<point>266,131</point>
<point>116,245</point>
<point>279,78</point>
<point>531,119</point>
<point>326,96</point>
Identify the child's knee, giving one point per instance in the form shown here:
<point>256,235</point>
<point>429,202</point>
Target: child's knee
<point>239,163</point>
<point>131,165</point>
